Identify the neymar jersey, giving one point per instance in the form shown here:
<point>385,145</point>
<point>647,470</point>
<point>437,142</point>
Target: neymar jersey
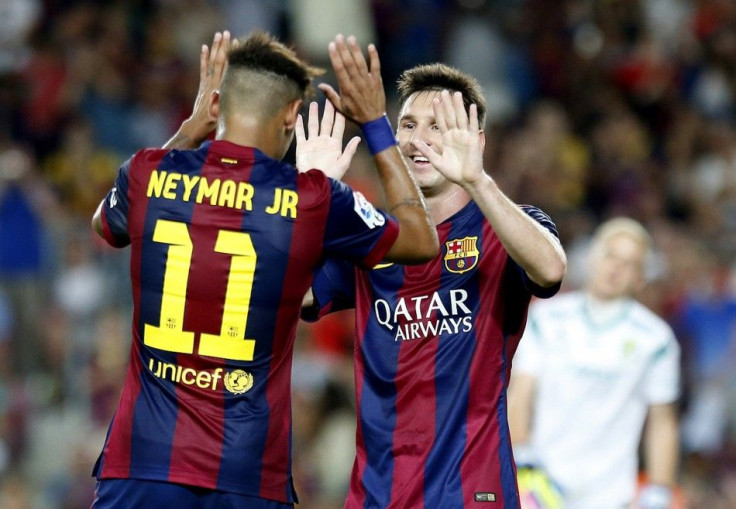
<point>433,351</point>
<point>224,241</point>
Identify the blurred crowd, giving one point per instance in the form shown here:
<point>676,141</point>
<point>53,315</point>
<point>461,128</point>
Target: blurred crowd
<point>597,108</point>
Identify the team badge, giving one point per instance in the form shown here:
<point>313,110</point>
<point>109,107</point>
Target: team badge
<point>238,381</point>
<point>461,255</point>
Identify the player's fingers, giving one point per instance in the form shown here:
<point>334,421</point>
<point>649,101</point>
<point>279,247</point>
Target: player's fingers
<point>374,61</point>
<point>331,95</point>
<point>427,151</point>
<point>313,120</point>
<point>458,109</point>
<point>339,127</point>
<point>439,114</point>
<point>203,59</point>
<point>351,148</point>
<point>473,122</point>
<point>219,63</point>
<point>216,42</point>
<point>299,129</point>
<point>448,110</point>
<point>328,117</point>
<point>357,56</point>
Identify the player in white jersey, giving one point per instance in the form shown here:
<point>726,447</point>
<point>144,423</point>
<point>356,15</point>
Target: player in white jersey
<point>591,367</point>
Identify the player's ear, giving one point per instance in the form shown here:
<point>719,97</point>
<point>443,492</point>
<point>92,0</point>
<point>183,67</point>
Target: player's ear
<point>482,138</point>
<point>214,107</point>
<point>291,113</point>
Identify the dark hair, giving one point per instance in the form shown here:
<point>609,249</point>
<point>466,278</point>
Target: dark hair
<point>262,52</point>
<point>443,77</point>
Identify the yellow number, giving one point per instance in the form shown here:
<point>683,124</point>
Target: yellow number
<point>170,335</point>
<point>231,342</point>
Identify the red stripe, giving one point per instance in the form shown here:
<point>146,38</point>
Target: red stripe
<point>416,398</point>
<point>383,245</point>
<point>305,251</point>
<point>117,454</point>
<point>191,449</point>
<point>479,467</point>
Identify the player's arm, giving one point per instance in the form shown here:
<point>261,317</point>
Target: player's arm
<point>212,64</point>
<point>661,456</point>
<point>528,243</point>
<point>362,99</point>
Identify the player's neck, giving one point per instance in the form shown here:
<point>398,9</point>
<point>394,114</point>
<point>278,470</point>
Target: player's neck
<point>249,132</point>
<point>444,205</point>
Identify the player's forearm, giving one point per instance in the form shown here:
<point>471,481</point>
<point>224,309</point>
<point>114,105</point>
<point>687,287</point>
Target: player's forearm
<point>662,446</point>
<point>189,136</point>
<point>528,243</point>
<point>417,241</point>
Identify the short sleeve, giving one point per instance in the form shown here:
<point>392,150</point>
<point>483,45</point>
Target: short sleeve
<point>544,220</point>
<point>662,382</point>
<point>115,210</point>
<point>355,229</point>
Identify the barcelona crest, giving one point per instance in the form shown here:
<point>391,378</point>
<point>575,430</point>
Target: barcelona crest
<point>461,255</point>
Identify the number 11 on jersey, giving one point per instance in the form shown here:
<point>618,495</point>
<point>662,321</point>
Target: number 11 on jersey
<point>170,335</point>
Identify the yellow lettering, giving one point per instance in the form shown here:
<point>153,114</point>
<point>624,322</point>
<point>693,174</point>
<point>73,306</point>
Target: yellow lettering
<point>169,367</point>
<point>244,198</point>
<point>274,208</point>
<point>189,183</point>
<point>227,194</point>
<point>172,180</point>
<point>216,378</point>
<point>207,190</point>
<point>288,203</point>
<point>187,379</point>
<point>156,183</point>
<point>203,379</point>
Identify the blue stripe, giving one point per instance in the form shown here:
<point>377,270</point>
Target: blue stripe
<point>378,476</point>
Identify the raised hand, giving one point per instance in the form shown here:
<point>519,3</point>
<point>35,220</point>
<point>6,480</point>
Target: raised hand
<point>362,97</point>
<point>461,156</point>
<point>321,148</point>
<point>212,65</point>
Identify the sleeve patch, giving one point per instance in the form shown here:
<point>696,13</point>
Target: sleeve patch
<point>367,211</point>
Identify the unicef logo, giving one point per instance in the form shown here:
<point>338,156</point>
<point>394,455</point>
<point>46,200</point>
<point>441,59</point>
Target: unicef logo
<point>238,381</point>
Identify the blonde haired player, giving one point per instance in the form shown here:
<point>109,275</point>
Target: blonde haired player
<point>591,368</point>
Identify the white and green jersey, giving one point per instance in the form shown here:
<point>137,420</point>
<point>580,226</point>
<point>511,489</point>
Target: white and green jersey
<point>598,368</point>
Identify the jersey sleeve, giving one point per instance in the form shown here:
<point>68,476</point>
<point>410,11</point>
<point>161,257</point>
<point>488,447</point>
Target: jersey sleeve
<point>662,381</point>
<point>333,289</point>
<point>355,229</point>
<point>114,214</point>
<point>543,219</point>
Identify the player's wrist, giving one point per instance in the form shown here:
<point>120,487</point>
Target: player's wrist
<point>378,134</point>
<point>655,496</point>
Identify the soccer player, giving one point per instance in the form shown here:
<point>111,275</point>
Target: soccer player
<point>435,341</point>
<point>224,240</point>
<point>593,365</point>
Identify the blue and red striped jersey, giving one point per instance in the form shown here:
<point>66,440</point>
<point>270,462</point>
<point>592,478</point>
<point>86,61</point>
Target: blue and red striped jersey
<point>224,241</point>
<point>433,353</point>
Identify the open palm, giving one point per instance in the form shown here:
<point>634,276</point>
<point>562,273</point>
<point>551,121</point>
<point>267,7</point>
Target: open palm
<point>461,158</point>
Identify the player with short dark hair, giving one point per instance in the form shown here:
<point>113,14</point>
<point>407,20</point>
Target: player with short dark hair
<point>434,342</point>
<point>224,240</point>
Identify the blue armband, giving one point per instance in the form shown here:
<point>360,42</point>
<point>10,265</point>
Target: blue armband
<point>378,134</point>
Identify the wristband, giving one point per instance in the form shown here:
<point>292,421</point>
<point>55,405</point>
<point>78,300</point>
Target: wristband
<point>378,134</point>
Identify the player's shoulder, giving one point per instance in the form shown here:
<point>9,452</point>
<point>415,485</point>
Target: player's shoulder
<point>651,323</point>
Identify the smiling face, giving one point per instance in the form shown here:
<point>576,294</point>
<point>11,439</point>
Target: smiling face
<point>417,123</point>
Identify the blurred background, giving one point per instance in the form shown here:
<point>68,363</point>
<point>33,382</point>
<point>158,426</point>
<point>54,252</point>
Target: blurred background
<point>596,108</point>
